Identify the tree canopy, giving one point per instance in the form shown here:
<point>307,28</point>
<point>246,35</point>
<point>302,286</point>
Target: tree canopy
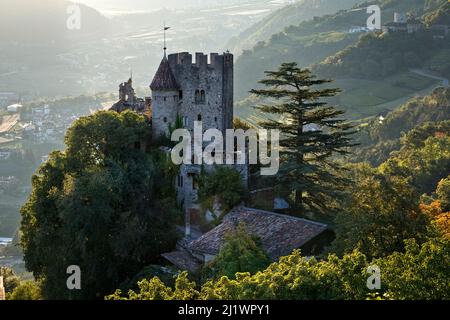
<point>419,273</point>
<point>103,204</point>
<point>312,133</point>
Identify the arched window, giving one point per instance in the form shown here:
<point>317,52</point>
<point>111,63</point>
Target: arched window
<point>165,119</point>
<point>199,117</point>
<point>202,96</point>
<point>197,96</point>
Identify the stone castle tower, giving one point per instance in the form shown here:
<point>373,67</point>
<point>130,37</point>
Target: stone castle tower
<point>189,91</point>
<point>199,91</point>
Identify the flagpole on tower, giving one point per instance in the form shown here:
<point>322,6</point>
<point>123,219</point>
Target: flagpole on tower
<point>165,46</point>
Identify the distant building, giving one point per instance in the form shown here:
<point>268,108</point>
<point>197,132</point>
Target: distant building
<point>403,24</point>
<point>356,29</point>
<point>5,154</point>
<point>440,31</point>
<point>400,17</point>
<point>414,25</point>
<point>7,98</point>
<point>14,108</point>
<point>279,235</point>
<point>129,101</point>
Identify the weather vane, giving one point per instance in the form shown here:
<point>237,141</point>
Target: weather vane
<point>165,29</point>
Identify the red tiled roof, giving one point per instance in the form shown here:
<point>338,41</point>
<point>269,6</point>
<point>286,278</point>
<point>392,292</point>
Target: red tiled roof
<point>183,260</point>
<point>164,79</point>
<point>279,234</point>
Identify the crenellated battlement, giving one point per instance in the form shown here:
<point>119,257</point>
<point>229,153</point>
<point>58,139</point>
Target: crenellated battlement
<point>193,87</point>
<point>200,60</point>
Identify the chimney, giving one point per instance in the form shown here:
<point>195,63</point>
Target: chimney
<point>2,290</point>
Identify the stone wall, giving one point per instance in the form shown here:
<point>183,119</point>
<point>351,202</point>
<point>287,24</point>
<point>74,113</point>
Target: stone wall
<point>214,79</point>
<point>165,105</point>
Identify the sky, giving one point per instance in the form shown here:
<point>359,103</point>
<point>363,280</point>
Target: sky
<point>150,5</point>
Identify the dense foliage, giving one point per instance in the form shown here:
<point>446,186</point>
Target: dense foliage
<point>223,183</point>
<point>27,290</point>
<point>105,205</point>
<point>421,272</point>
<point>416,120</point>
<point>241,252</point>
<point>380,213</point>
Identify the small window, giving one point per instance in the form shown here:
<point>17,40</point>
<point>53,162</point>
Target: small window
<point>195,182</point>
<point>202,96</point>
<point>180,94</point>
<point>199,117</point>
<point>197,96</point>
<point>185,121</point>
<point>165,99</point>
<point>215,119</point>
<point>165,119</point>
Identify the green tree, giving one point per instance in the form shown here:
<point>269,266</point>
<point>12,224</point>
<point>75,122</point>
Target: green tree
<point>380,213</point>
<point>27,290</point>
<point>240,253</point>
<point>101,205</point>
<point>443,193</point>
<point>10,279</point>
<point>421,272</point>
<point>225,183</point>
<point>307,163</point>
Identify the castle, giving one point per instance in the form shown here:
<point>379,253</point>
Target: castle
<point>186,91</point>
<point>199,91</point>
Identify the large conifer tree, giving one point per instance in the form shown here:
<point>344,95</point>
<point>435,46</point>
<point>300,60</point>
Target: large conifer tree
<point>312,134</point>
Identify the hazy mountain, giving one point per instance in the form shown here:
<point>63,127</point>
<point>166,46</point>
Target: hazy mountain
<point>45,20</point>
<point>292,14</point>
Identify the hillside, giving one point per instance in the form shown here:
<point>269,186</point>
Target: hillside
<point>383,71</point>
<point>45,20</point>
<point>379,138</point>
<point>292,14</point>
<point>312,41</point>
<point>377,72</point>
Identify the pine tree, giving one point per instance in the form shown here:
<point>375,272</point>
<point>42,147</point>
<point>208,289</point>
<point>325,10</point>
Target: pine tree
<point>312,134</point>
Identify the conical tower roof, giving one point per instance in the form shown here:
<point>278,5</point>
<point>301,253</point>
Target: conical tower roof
<point>164,79</point>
